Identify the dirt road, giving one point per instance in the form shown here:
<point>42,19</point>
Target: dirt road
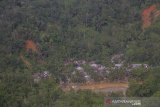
<point>99,87</point>
<point>96,86</point>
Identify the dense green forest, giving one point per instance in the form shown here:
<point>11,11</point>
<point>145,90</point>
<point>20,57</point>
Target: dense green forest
<point>60,30</point>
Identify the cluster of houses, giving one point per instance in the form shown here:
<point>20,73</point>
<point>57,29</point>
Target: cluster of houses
<point>41,75</point>
<point>99,69</point>
<point>131,66</point>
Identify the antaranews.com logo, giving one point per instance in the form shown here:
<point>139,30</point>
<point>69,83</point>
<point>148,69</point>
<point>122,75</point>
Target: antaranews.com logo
<point>131,101</point>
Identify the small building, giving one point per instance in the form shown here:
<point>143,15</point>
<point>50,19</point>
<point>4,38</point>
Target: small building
<point>79,68</point>
<point>139,65</point>
<point>101,68</point>
<point>94,65</point>
<point>118,66</point>
<point>41,75</point>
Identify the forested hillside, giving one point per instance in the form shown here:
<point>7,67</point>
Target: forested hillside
<point>41,35</point>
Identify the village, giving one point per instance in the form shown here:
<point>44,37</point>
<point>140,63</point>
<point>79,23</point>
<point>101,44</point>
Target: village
<point>100,71</point>
<point>93,76</point>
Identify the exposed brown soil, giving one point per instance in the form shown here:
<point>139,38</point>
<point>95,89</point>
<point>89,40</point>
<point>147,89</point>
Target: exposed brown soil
<point>31,45</point>
<point>149,15</point>
<point>96,86</point>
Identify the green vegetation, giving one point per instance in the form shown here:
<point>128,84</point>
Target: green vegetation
<point>92,30</point>
<point>145,83</point>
